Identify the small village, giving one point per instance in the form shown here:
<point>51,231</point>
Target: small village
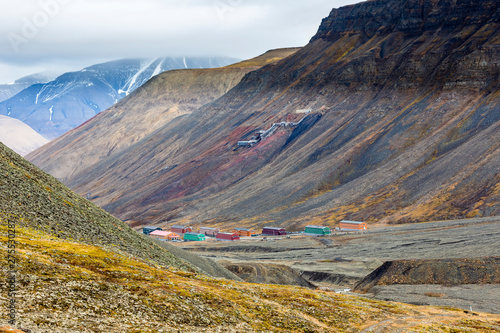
<point>180,233</point>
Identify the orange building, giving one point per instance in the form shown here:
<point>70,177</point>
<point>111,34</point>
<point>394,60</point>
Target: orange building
<point>244,232</point>
<point>352,225</point>
<point>165,235</point>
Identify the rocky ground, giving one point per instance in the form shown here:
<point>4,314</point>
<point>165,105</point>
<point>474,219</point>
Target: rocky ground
<point>483,298</point>
<point>342,260</point>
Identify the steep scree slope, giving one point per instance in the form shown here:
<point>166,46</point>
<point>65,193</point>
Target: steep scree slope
<point>405,127</point>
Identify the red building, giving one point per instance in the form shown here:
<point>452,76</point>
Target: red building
<point>228,236</point>
<point>207,231</point>
<point>179,229</point>
<point>272,231</point>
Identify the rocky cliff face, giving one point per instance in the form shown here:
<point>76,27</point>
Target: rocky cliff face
<point>410,17</point>
<point>405,126</point>
<point>416,43</point>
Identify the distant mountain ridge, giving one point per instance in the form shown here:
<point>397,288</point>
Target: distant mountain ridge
<point>9,90</point>
<point>18,136</point>
<point>404,127</point>
<point>58,106</point>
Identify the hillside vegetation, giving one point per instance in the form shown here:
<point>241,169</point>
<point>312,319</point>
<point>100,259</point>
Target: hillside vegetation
<point>66,286</point>
<point>31,198</point>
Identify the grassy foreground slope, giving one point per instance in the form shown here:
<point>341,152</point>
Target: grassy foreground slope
<point>66,286</point>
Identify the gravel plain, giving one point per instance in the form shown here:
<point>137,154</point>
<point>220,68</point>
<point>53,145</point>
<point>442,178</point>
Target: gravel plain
<point>341,260</point>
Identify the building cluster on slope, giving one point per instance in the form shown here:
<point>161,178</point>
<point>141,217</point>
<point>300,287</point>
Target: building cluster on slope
<point>263,134</point>
<point>178,232</point>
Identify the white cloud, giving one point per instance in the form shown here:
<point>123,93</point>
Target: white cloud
<point>35,32</point>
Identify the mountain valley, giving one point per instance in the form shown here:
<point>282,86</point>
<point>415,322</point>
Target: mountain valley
<point>165,98</point>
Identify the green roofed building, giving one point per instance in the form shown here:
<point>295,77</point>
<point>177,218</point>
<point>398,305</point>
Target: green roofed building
<point>317,230</point>
<point>193,236</point>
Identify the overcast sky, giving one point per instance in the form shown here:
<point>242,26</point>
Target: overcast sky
<point>63,35</point>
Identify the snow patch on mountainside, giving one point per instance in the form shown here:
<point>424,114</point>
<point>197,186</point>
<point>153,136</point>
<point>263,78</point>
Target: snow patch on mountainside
<point>158,68</point>
<point>9,90</point>
<point>133,80</point>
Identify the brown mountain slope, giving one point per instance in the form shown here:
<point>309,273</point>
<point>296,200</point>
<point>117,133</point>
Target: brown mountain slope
<point>165,97</point>
<point>405,127</point>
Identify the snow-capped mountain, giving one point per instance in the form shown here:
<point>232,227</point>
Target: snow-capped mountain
<point>58,106</point>
<point>19,137</point>
<point>9,90</point>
